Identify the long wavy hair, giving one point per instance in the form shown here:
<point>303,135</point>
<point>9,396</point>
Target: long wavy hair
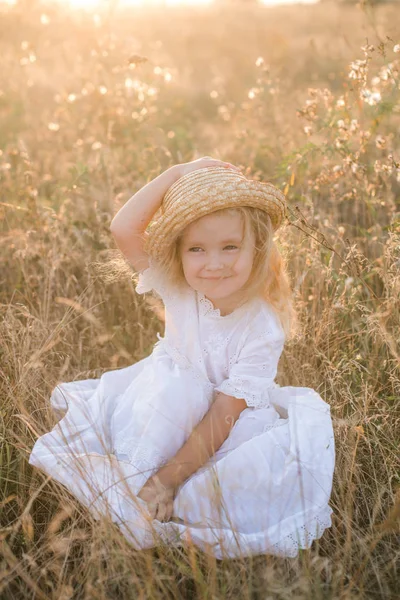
<point>269,278</point>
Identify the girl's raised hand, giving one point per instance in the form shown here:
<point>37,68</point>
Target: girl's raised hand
<point>201,163</point>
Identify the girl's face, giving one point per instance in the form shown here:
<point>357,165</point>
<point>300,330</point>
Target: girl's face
<point>216,260</point>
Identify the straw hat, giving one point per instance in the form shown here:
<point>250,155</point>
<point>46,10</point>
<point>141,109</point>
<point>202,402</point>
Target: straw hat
<point>204,191</point>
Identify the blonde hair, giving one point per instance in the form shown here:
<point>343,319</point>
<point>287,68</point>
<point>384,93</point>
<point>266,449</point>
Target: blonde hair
<point>268,279</point>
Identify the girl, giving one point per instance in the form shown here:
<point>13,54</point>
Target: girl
<point>196,441</point>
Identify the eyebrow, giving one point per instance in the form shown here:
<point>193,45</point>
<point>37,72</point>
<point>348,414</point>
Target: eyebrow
<point>236,240</point>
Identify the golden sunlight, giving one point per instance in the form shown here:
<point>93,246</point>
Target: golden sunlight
<point>98,4</point>
<point>95,4</point>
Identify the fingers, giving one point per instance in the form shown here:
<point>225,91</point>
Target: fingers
<point>164,511</point>
<point>152,508</point>
<point>221,162</point>
<point>161,512</point>
<point>230,166</point>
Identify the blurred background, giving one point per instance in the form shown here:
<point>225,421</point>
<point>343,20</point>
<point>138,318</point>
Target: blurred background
<point>97,99</point>
<point>93,4</point>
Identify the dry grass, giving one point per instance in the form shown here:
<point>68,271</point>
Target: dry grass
<point>81,131</point>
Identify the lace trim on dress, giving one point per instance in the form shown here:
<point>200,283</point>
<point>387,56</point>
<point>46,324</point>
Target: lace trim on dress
<point>236,387</point>
<point>138,451</point>
<point>145,282</point>
<point>206,308</point>
<point>288,547</point>
<point>153,279</point>
<point>304,536</point>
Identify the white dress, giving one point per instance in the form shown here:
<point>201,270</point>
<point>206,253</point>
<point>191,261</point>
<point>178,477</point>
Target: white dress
<point>265,490</point>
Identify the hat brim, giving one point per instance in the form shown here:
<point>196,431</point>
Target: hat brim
<point>205,191</point>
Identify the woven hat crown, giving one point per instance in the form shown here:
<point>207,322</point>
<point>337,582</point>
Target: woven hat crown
<point>207,190</point>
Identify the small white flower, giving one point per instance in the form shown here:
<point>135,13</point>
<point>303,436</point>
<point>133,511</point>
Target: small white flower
<point>365,134</point>
<point>384,73</point>
<point>354,125</point>
<point>368,48</point>
<point>371,98</point>
<point>380,141</point>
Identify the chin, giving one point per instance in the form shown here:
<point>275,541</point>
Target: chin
<point>220,294</point>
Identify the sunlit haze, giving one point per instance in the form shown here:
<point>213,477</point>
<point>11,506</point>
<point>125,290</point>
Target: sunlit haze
<point>98,4</point>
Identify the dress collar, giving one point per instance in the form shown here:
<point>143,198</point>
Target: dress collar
<point>206,308</point>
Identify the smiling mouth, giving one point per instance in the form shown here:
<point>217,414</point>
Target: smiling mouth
<point>214,278</point>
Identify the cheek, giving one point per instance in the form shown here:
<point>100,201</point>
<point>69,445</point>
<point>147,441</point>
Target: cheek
<point>243,263</point>
<point>188,266</point>
<point>244,266</point>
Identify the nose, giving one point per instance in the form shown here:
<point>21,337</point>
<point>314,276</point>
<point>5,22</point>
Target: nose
<point>214,263</point>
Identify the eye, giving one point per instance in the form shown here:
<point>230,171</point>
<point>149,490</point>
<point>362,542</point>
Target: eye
<point>194,248</point>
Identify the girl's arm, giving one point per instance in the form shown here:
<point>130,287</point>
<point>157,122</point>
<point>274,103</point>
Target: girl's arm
<point>203,442</point>
<point>129,224</point>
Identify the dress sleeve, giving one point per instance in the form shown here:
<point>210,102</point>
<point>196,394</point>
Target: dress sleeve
<point>154,279</point>
<point>252,376</point>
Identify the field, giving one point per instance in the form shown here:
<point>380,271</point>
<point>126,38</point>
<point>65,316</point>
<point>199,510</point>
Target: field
<point>94,107</point>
